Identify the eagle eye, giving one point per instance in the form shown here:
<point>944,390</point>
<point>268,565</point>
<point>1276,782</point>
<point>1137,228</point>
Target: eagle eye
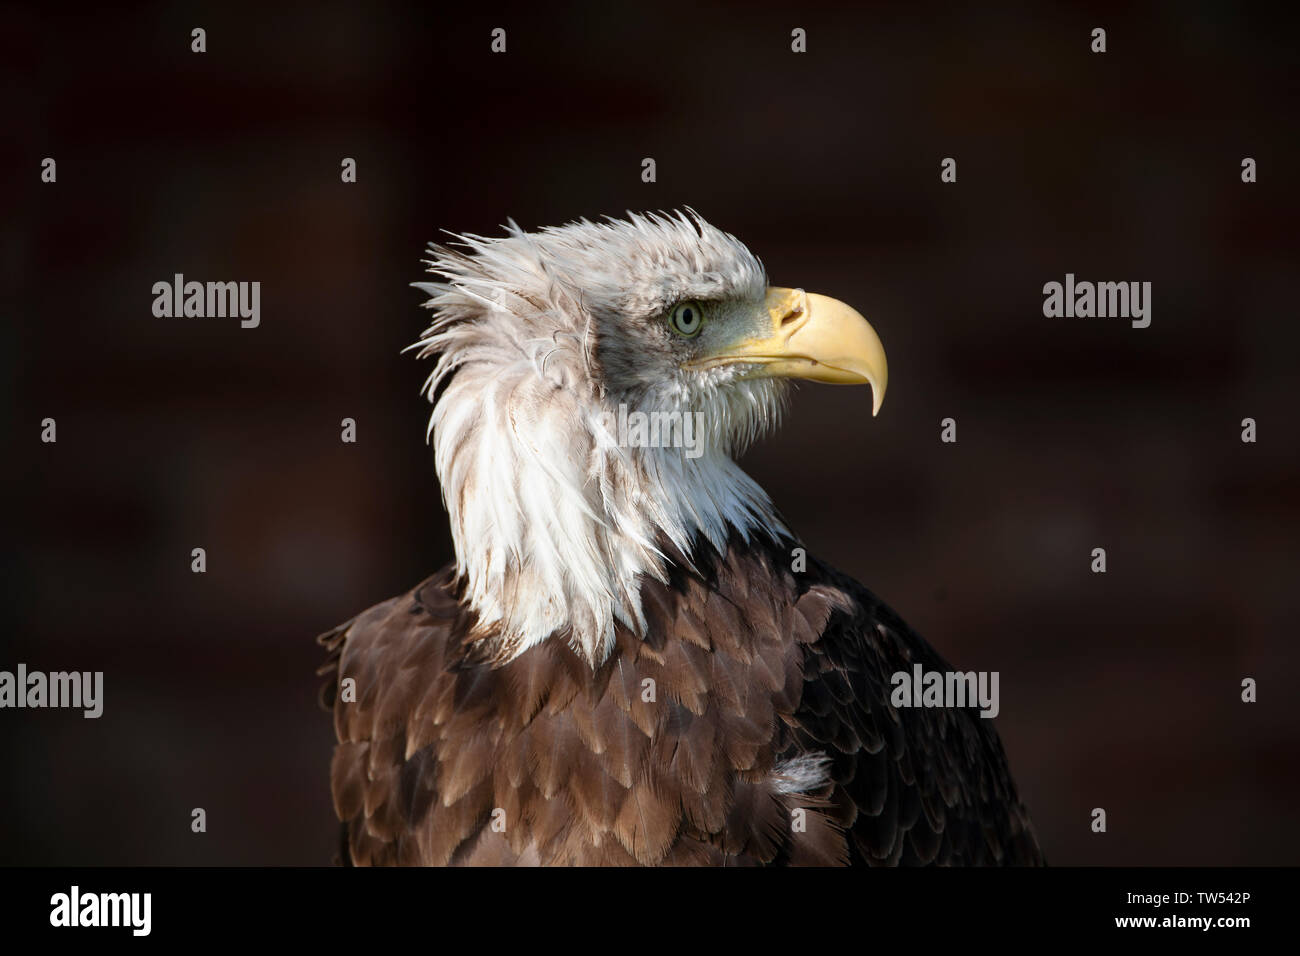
<point>686,319</point>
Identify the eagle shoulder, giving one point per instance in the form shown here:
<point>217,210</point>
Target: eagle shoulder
<point>910,786</point>
<point>390,690</point>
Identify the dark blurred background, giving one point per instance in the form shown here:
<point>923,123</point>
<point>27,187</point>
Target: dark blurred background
<point>1119,691</point>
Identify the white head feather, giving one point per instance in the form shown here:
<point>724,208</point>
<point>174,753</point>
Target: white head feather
<point>539,338</point>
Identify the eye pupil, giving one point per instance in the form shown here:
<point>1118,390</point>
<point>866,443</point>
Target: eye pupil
<point>687,319</point>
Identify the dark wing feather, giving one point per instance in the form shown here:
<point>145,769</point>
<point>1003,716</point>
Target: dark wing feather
<point>913,785</point>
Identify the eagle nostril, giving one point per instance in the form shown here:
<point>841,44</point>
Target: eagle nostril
<point>793,318</point>
<point>796,312</point>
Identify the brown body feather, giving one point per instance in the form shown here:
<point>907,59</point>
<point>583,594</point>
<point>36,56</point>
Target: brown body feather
<point>448,758</point>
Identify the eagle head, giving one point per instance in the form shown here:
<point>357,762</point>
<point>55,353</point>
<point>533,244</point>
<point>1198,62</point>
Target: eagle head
<point>592,383</point>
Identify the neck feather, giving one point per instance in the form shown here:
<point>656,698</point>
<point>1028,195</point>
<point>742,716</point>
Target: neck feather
<point>556,524</point>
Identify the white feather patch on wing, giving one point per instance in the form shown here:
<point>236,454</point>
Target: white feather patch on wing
<point>802,774</point>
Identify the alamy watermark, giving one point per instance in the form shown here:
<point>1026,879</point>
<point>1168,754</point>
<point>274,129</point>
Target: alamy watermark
<point>79,690</point>
<point>75,908</point>
<point>208,300</point>
<point>636,429</point>
<point>922,688</point>
<point>1084,300</point>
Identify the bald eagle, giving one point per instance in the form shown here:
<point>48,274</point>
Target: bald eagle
<point>633,660</point>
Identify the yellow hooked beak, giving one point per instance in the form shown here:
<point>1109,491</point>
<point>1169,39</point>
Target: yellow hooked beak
<point>813,337</point>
